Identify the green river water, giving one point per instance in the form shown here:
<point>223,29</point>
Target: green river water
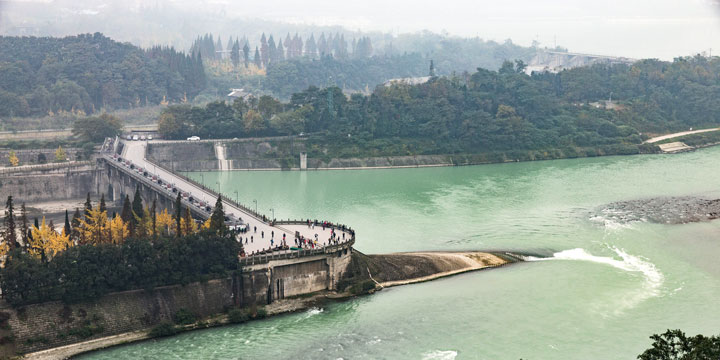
<point>606,286</point>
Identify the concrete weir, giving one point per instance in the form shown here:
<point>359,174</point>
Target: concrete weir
<point>220,151</point>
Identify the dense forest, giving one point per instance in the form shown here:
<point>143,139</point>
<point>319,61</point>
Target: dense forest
<point>86,73</point>
<point>487,111</point>
<point>293,64</point>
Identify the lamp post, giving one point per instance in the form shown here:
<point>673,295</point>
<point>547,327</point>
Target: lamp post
<point>255,201</point>
<point>273,212</point>
<point>236,197</point>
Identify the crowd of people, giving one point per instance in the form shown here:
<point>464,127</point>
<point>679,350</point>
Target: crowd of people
<point>300,242</point>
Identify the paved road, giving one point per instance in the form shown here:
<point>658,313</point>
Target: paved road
<point>683,133</point>
<point>260,238</point>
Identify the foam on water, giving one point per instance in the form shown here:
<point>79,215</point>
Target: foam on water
<point>653,278</point>
<point>440,355</point>
<point>311,312</point>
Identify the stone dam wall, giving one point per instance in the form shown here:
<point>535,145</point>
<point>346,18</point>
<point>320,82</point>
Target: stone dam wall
<point>47,325</point>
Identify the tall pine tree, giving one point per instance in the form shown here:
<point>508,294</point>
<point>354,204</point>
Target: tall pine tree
<point>75,223</point>
<point>103,207</point>
<point>10,234</point>
<point>264,50</point>
<point>24,225</point>
<point>235,54</point>
<point>246,54</point>
<point>217,219</point>
<point>88,206</point>
<point>178,215</point>
<point>67,229</point>
<point>137,210</point>
<point>257,60</point>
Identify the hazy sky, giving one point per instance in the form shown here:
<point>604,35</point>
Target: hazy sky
<point>634,28</point>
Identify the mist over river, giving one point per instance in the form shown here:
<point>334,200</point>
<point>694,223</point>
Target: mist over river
<point>599,285</point>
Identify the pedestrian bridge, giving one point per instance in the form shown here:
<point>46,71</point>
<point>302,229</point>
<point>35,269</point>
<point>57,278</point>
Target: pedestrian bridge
<point>128,170</point>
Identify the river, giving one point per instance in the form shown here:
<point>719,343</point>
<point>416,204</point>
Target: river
<point>605,286</point>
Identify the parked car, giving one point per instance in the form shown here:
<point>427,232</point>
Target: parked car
<point>129,137</point>
<point>135,137</point>
<point>142,137</point>
<point>149,137</point>
<point>193,138</point>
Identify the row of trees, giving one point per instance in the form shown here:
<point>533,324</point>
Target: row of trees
<point>36,266</point>
<point>86,73</point>
<point>486,111</point>
<point>269,51</point>
<point>60,156</point>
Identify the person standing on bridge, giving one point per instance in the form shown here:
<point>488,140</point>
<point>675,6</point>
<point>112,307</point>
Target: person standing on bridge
<point>262,234</point>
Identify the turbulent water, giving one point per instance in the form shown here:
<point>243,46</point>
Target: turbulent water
<point>609,269</point>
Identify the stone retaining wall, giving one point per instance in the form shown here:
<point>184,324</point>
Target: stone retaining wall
<point>47,325</point>
<point>48,183</point>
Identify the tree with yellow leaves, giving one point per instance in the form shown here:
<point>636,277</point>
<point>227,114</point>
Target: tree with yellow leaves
<point>95,227</point>
<point>118,230</point>
<point>187,224</point>
<point>4,250</point>
<point>12,157</point>
<point>46,242</point>
<point>60,155</point>
<point>164,223</point>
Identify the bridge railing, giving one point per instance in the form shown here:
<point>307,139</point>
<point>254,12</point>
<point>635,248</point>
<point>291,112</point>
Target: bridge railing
<point>225,199</point>
<point>155,186</point>
<point>295,254</point>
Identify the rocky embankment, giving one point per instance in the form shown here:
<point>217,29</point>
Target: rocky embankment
<point>661,210</point>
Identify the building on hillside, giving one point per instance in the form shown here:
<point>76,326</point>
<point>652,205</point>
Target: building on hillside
<point>239,94</point>
<point>407,81</point>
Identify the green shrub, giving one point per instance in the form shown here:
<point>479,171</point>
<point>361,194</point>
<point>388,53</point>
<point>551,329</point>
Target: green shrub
<point>184,317</point>
<point>163,329</point>
<point>362,287</point>
<point>237,316</point>
<point>86,331</point>
<point>261,313</point>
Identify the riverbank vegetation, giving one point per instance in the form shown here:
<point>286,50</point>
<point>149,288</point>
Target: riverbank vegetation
<point>489,111</point>
<point>675,345</point>
<point>94,253</point>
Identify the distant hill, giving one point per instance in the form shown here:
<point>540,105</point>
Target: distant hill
<point>86,73</point>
